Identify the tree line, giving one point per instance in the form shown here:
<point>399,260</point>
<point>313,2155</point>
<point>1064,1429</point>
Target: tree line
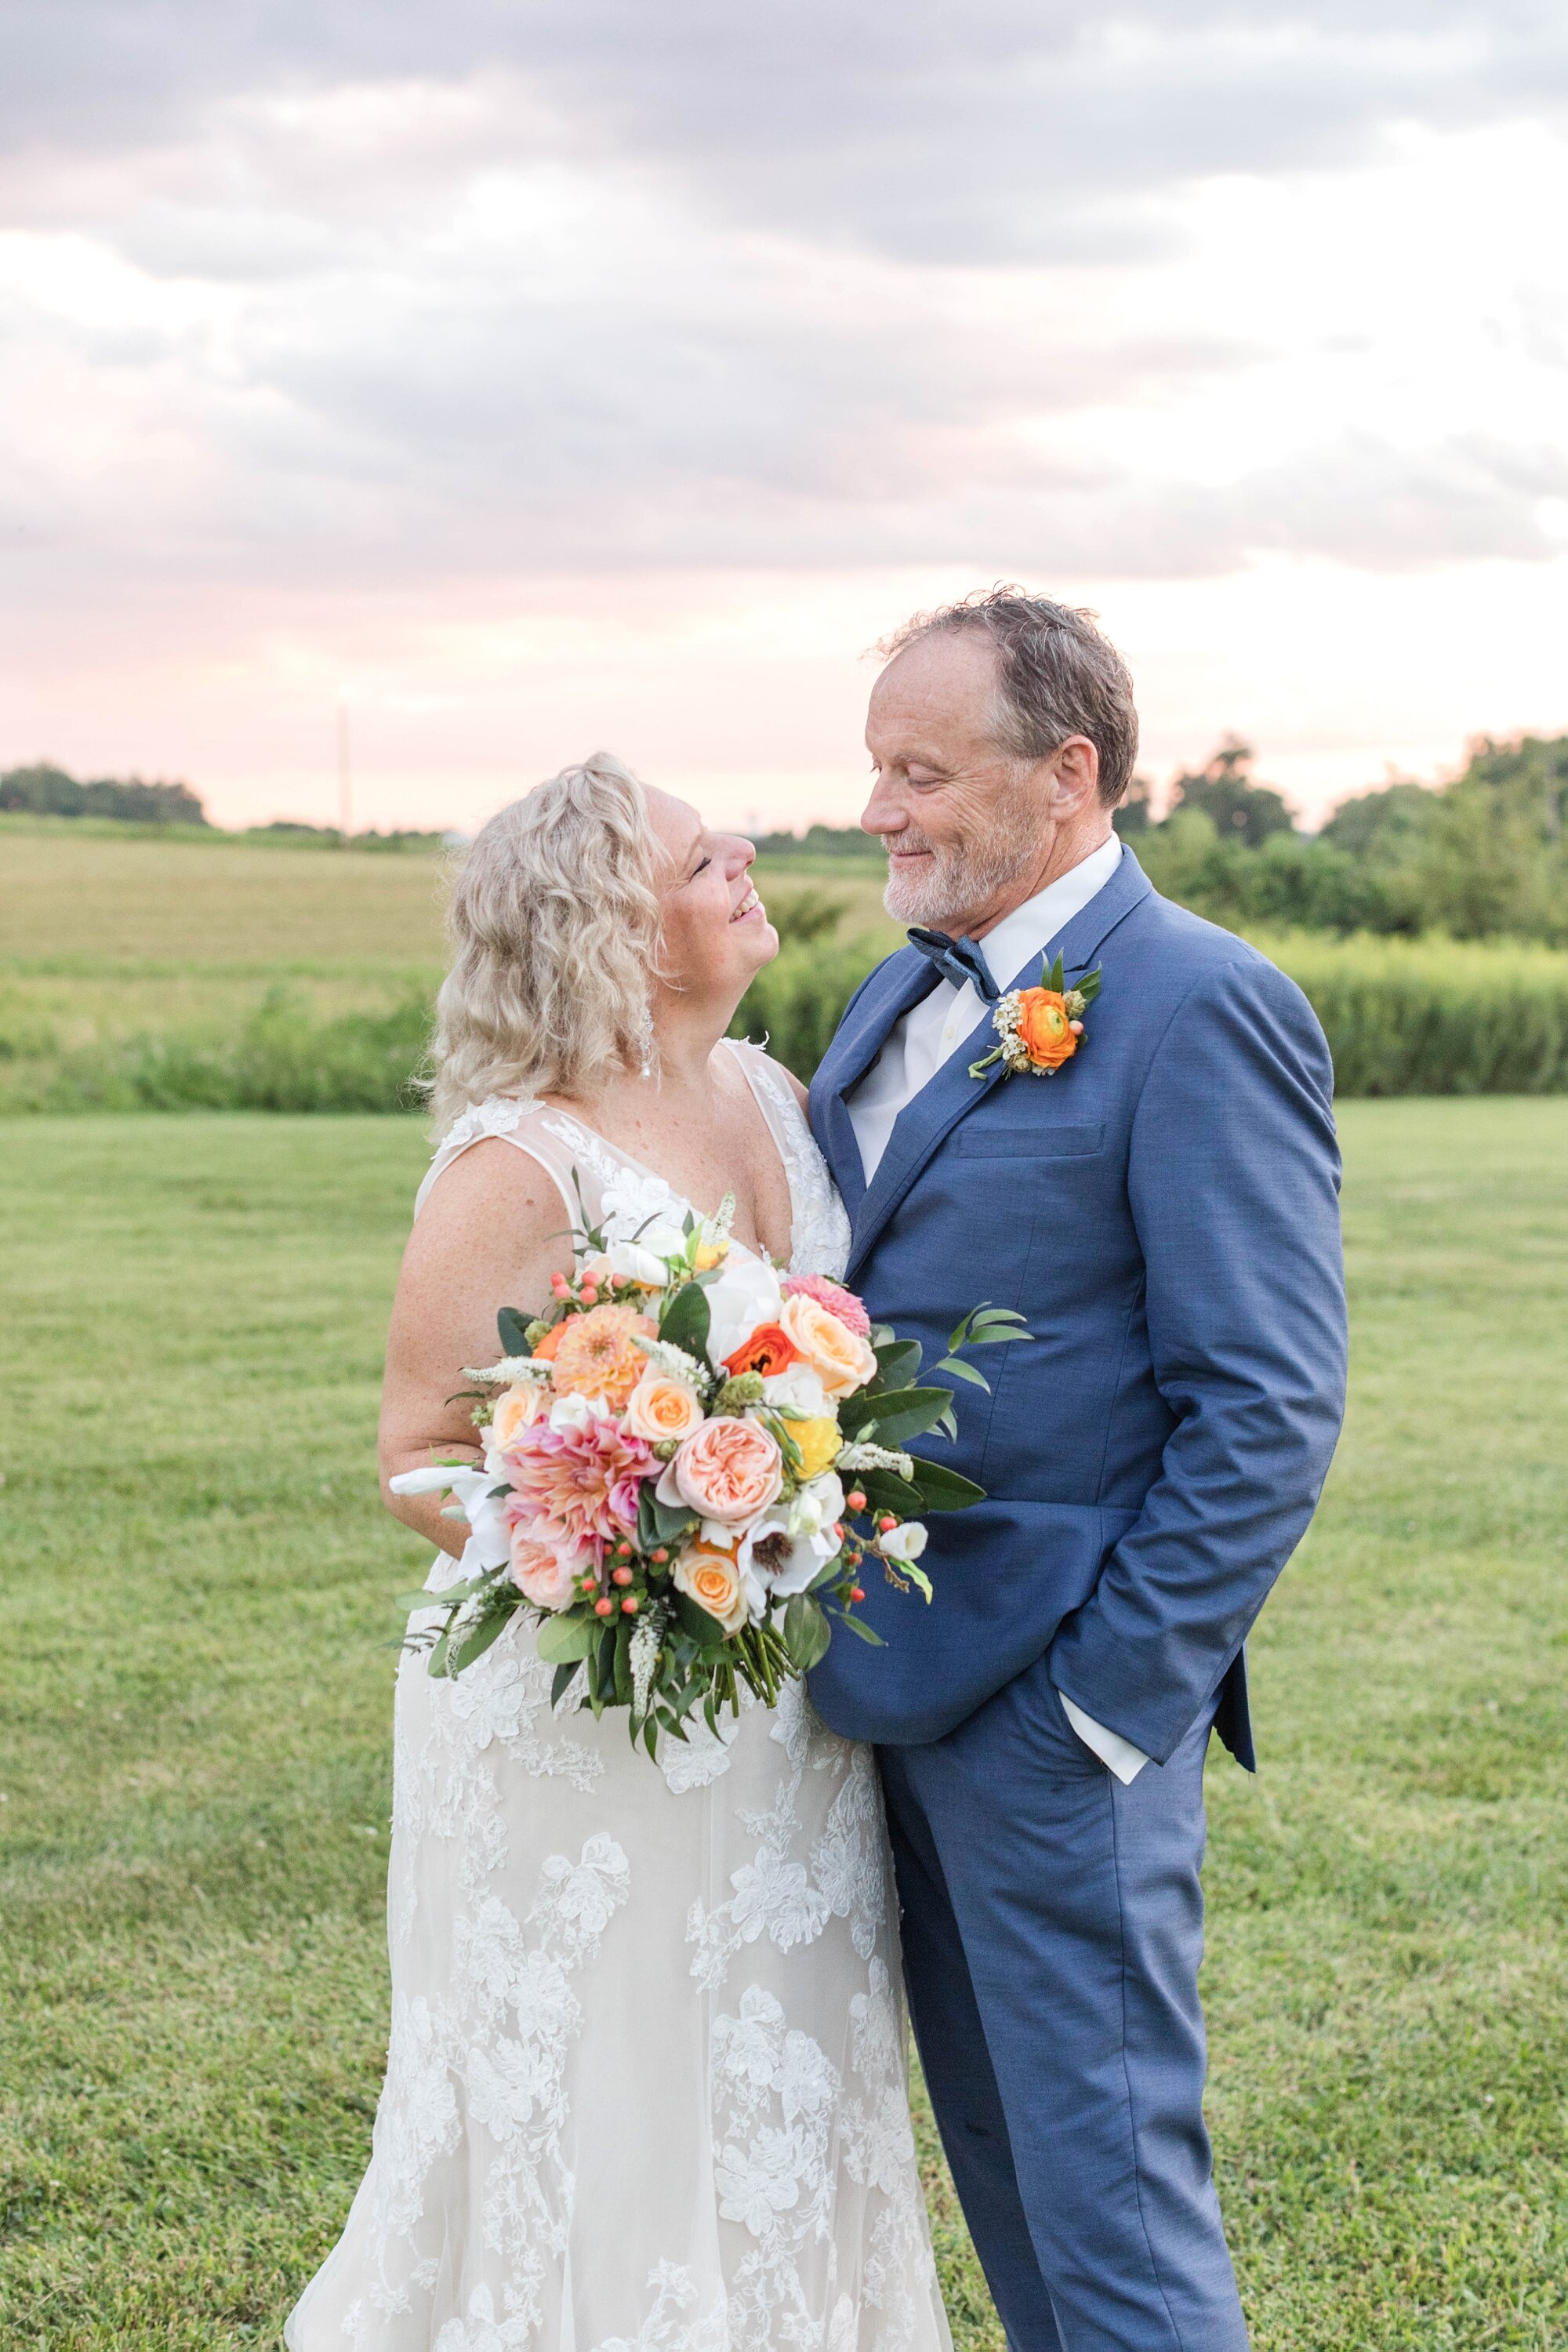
<point>1485,856</point>
<point>43,790</point>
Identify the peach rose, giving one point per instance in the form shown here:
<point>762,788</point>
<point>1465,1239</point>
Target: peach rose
<point>819,1440</point>
<point>514,1412</point>
<point>661,1407</point>
<point>710,1578</point>
<point>841,1360</point>
<point>594,1355</point>
<point>545,1573</point>
<point>1043,1031</point>
<point>728,1470</point>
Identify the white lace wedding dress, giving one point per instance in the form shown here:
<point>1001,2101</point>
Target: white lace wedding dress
<point>646,2086</point>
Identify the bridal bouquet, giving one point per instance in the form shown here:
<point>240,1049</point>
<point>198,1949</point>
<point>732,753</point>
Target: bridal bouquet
<point>690,1462</point>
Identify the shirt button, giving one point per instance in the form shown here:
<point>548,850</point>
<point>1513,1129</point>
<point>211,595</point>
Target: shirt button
<point>948,1031</point>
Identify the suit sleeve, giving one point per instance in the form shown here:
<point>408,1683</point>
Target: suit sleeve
<point>1234,1182</point>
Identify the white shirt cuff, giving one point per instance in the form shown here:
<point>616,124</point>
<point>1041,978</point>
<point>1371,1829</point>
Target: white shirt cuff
<point>1117,1754</point>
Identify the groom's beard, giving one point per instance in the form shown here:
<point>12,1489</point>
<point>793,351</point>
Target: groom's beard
<point>961,879</point>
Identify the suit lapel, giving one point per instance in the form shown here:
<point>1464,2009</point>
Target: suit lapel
<point>929,1116</point>
<point>895,988</point>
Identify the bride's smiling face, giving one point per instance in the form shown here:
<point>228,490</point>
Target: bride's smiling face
<point>716,933</point>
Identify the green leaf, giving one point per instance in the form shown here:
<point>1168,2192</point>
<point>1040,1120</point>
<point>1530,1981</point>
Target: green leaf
<point>686,1319</point>
<point>1053,978</point>
<point>941,1489</point>
<point>897,1365</point>
<point>512,1325</point>
<point>561,1681</point>
<point>806,1633</point>
<point>704,1630</point>
<point>486,1633</point>
<point>1089,986</point>
<point>660,1523</point>
<point>564,1638</point>
<point>855,1412</point>
<point>916,1576</point>
<point>885,1491</point>
<point>623,1664</point>
<point>910,1413</point>
<point>856,1626</point>
<point>963,1371</point>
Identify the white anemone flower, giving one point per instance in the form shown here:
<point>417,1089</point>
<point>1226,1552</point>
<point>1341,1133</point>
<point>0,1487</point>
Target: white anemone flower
<point>786,1546</point>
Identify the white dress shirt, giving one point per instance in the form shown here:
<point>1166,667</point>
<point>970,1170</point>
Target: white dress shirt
<point>927,1037</point>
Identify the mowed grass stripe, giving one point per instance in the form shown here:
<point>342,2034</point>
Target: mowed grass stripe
<point>195,1749</point>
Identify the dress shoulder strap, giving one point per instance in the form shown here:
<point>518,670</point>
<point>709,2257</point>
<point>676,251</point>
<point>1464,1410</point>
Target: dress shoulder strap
<point>582,1166</point>
<point>820,1232</point>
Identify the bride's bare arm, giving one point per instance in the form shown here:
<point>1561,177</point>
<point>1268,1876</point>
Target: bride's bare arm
<point>490,1235</point>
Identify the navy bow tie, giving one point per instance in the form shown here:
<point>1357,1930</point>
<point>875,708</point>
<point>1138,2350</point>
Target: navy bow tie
<point>957,959</point>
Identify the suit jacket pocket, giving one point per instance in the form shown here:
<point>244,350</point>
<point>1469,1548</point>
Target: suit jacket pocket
<point>1028,1142</point>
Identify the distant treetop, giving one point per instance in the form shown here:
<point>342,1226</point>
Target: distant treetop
<point>43,790</point>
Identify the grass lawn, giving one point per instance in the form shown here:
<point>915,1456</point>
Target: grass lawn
<point>193,1753</point>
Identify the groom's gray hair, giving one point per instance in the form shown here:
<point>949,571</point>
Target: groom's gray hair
<point>1057,672</point>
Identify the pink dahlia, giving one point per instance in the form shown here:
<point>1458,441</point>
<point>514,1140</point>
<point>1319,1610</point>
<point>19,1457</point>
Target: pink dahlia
<point>834,1297</point>
<point>575,1488</point>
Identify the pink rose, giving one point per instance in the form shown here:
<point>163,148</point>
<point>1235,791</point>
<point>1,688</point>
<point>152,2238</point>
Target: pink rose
<point>727,1470</point>
<point>544,1572</point>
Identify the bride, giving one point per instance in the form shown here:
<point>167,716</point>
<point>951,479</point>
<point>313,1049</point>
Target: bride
<point>646,2086</point>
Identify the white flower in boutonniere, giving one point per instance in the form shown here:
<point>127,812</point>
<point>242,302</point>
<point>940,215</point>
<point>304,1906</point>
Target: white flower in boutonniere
<point>1040,1028</point>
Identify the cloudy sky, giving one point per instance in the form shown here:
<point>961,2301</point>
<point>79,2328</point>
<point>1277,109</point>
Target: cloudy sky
<point>533,375</point>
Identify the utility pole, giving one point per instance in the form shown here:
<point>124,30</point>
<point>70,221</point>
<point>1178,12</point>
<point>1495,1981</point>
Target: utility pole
<point>345,774</point>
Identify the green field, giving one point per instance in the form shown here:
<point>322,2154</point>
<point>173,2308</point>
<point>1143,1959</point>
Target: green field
<point>195,1760</point>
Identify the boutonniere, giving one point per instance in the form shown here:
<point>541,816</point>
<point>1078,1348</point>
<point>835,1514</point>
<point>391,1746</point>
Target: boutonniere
<point>1040,1028</point>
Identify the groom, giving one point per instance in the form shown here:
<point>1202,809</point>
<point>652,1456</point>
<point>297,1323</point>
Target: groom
<point>1163,1211</point>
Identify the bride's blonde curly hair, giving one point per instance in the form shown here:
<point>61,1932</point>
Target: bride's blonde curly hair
<point>554,924</point>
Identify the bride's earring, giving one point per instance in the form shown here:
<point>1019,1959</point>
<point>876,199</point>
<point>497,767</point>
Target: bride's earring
<point>645,1040</point>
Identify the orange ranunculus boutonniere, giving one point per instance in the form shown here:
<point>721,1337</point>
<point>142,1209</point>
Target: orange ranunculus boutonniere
<point>1040,1028</point>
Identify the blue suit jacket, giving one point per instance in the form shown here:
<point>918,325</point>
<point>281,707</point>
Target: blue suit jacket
<point>1165,1212</point>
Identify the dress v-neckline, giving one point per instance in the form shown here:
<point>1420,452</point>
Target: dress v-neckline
<point>761,1256</point>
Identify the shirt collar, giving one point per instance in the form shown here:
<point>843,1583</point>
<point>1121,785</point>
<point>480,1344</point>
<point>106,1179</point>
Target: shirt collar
<point>1026,930</point>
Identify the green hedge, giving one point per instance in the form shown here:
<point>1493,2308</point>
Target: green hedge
<point>1402,1017</point>
<point>1421,1017</point>
<point>281,1057</point>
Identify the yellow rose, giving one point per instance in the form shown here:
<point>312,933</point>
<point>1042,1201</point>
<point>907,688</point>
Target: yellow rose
<point>661,1407</point>
<point>819,1440</point>
<point>710,1254</point>
<point>841,1360</point>
<point>710,1578</point>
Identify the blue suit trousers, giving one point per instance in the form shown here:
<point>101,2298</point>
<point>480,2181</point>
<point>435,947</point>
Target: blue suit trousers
<point>1053,1928</point>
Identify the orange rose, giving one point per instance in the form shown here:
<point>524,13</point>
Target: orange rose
<point>767,1351</point>
<point>520,1406</point>
<point>728,1470</point>
<point>710,1578</point>
<point>594,1355</point>
<point>1043,1031</point>
<point>842,1361</point>
<point>661,1407</point>
<point>545,1352</point>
